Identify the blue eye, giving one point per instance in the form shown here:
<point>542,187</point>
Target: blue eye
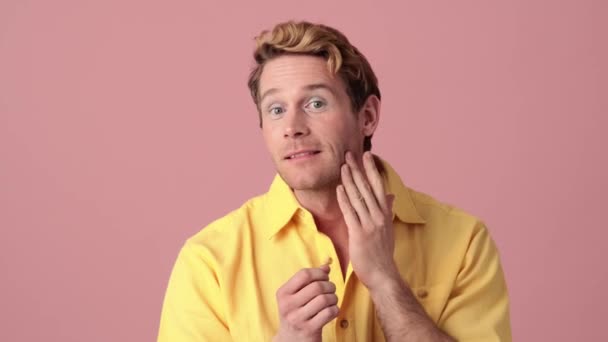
<point>275,111</point>
<point>316,105</point>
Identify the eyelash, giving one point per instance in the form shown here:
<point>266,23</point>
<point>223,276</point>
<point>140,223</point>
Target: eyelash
<point>321,102</point>
<point>273,108</point>
<point>316,101</point>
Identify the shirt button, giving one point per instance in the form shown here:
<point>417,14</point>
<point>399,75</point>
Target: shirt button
<point>344,324</point>
<point>422,293</point>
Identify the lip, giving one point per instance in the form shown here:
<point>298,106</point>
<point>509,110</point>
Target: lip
<point>303,154</point>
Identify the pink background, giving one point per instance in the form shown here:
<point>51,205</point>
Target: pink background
<point>126,126</point>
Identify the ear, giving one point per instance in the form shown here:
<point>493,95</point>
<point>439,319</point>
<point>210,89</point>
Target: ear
<point>369,115</point>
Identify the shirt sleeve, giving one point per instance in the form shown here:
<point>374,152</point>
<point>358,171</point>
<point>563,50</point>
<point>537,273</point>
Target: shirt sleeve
<point>478,307</point>
<point>193,308</point>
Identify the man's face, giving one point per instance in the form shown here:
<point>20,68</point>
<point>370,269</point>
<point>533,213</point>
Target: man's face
<point>307,121</point>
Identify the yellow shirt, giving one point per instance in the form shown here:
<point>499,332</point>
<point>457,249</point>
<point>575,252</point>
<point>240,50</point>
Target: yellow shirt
<point>225,278</point>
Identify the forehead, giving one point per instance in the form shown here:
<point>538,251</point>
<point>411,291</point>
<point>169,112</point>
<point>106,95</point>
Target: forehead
<point>294,72</point>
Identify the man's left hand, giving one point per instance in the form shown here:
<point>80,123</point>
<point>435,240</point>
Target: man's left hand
<point>368,215</point>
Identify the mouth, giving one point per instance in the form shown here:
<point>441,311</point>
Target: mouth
<point>301,154</point>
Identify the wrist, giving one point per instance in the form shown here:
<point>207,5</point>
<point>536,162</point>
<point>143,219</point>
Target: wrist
<point>387,282</point>
<point>283,336</point>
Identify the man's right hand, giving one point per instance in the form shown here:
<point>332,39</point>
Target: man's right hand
<point>306,303</point>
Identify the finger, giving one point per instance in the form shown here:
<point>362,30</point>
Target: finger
<point>301,279</point>
<point>316,305</point>
<point>319,303</point>
<point>354,196</point>
<point>312,290</point>
<point>323,317</point>
<point>350,216</point>
<point>390,199</point>
<point>375,179</point>
<point>364,187</point>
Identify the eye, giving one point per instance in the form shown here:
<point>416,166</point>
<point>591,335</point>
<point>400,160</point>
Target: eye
<point>316,105</point>
<point>276,111</point>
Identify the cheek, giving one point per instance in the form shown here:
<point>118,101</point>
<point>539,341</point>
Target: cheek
<point>268,138</point>
<point>343,130</point>
<point>340,136</point>
<point>273,139</point>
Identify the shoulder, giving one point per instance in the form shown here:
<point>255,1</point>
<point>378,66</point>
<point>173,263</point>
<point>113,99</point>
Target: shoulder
<point>447,218</point>
<point>453,238</point>
<point>230,230</point>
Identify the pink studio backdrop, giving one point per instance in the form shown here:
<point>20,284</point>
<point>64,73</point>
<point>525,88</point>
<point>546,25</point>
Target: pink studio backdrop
<point>126,126</point>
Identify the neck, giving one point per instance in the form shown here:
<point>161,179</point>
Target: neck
<point>323,205</point>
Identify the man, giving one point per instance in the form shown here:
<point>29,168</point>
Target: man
<point>338,249</point>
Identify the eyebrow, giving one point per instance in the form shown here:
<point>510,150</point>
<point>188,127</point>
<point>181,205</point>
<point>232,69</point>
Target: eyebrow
<point>309,87</point>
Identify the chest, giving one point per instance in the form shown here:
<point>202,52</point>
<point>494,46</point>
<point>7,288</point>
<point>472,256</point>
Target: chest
<point>263,267</point>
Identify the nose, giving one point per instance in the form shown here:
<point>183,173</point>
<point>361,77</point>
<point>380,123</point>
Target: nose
<point>296,125</point>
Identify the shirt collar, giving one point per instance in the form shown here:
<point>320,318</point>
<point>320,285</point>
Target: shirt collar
<point>282,204</point>
<point>403,206</point>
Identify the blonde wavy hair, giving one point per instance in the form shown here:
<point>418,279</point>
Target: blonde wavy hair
<point>304,38</point>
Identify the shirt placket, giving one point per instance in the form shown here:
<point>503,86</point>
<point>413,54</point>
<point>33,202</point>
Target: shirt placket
<point>342,326</point>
